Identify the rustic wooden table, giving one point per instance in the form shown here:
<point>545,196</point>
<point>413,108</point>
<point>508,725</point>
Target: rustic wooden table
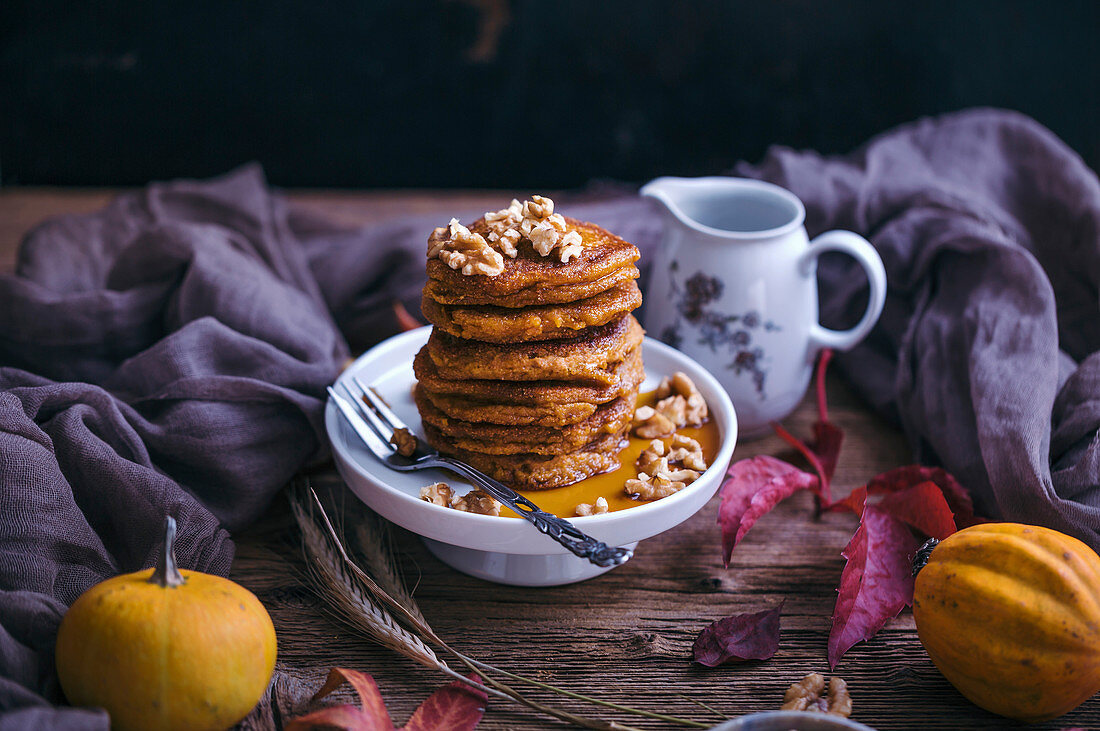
<point>625,636</point>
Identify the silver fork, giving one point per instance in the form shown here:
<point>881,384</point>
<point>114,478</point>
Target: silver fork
<point>374,422</point>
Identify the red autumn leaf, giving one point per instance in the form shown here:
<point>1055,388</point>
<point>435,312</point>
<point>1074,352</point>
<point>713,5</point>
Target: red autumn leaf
<point>902,478</point>
<point>877,581</point>
<point>456,707</point>
<point>922,507</point>
<point>404,319</point>
<point>752,488</point>
<point>343,718</point>
<point>855,502</point>
<point>739,638</point>
<point>371,714</point>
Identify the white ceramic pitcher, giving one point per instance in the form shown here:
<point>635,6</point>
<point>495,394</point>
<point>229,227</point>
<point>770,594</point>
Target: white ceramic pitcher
<point>734,286</point>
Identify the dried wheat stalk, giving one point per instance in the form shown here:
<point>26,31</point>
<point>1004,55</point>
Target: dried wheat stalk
<point>347,598</point>
<point>361,599</point>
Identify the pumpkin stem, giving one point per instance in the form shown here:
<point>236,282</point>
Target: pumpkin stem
<point>920,559</point>
<point>166,573</point>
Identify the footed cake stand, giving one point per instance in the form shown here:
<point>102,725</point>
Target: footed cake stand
<point>502,549</point>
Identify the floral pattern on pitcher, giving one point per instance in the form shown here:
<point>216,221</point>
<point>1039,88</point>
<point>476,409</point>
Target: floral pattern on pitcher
<point>716,329</point>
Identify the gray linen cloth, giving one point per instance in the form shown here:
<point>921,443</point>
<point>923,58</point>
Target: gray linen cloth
<point>169,354</point>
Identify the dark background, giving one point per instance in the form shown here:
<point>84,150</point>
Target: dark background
<point>511,94</point>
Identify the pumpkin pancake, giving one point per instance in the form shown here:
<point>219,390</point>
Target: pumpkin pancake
<point>554,415</point>
<point>545,322</point>
<point>534,295</point>
<point>538,472</point>
<point>528,273</point>
<point>487,438</point>
<point>590,359</point>
<point>628,375</point>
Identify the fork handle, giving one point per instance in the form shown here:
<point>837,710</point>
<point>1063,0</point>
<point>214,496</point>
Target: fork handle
<point>577,542</point>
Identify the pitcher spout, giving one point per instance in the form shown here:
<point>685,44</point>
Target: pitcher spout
<point>726,207</point>
<point>666,191</point>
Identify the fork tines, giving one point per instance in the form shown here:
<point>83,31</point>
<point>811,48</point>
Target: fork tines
<point>357,394</point>
<point>379,405</point>
<point>352,410</point>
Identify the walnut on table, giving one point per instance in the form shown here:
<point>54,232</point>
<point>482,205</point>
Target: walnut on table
<point>809,694</point>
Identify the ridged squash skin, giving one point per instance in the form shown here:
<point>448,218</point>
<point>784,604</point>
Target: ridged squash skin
<point>197,655</point>
<point>1010,614</point>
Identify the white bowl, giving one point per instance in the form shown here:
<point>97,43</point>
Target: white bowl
<point>501,549</point>
<point>791,721</point>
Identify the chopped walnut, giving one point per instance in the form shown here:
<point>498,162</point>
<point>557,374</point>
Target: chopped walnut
<point>646,487</point>
<point>650,424</point>
<point>544,237</point>
<point>687,452</point>
<point>673,408</point>
<point>477,501</point>
<point>459,248</point>
<point>571,246</point>
<point>404,441</point>
<point>599,508</point>
<point>538,207</point>
<point>663,472</point>
<point>437,493</point>
<point>695,406</point>
<point>536,221</point>
<point>505,217</point>
<point>650,458</point>
<point>506,241</point>
<point>806,695</point>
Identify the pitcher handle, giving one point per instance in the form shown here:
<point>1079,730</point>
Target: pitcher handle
<point>861,250</point>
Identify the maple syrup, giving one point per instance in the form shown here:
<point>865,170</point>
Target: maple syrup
<point>563,501</point>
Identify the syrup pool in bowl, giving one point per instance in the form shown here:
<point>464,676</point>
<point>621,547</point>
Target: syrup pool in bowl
<point>563,501</point>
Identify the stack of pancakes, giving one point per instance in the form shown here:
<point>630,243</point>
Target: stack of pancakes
<point>532,375</point>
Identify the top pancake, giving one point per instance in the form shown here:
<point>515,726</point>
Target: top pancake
<point>605,261</point>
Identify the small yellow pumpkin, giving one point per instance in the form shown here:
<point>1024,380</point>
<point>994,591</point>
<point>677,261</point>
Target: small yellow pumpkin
<point>1010,614</point>
<point>167,649</point>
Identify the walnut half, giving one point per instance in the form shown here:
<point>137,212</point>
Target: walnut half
<point>477,501</point>
<point>682,399</point>
<point>809,694</point>
<point>404,441</point>
<point>437,493</point>
<point>652,424</point>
